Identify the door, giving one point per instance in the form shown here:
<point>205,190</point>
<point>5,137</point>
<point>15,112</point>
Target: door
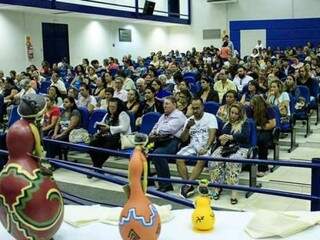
<point>249,38</point>
<point>55,42</point>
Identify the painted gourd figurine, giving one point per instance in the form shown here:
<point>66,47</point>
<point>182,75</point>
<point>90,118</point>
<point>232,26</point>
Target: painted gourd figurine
<point>203,218</point>
<point>139,219</point>
<point>31,205</point>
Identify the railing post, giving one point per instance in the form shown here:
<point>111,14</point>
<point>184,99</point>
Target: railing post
<point>315,185</point>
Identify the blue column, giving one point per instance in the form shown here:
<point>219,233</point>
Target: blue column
<point>315,185</point>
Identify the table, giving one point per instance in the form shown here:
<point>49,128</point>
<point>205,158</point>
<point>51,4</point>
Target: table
<point>229,226</point>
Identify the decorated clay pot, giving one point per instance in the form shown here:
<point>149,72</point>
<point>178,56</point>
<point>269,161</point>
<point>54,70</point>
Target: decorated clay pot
<point>139,219</point>
<point>203,218</point>
<point>31,206</point>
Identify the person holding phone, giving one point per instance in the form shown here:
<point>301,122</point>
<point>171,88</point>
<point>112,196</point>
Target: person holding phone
<point>201,129</point>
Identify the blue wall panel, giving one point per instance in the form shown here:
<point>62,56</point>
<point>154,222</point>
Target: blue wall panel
<point>280,33</point>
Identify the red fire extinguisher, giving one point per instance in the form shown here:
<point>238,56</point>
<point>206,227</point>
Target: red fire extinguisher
<point>29,48</point>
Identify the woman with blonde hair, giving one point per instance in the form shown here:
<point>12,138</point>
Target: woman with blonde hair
<point>234,143</point>
<point>277,96</point>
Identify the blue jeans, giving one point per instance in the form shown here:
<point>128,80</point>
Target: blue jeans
<point>161,164</point>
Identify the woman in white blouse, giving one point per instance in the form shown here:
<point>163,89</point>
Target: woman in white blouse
<point>114,123</point>
<point>277,96</point>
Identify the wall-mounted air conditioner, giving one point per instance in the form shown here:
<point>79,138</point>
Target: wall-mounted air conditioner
<point>222,1</point>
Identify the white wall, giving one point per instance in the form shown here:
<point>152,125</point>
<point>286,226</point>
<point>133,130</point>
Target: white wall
<point>12,42</point>
<point>273,9</point>
<point>87,38</point>
<point>204,16</point>
<point>94,38</point>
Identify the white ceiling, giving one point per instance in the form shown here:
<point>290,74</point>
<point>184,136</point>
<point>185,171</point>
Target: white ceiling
<point>81,15</point>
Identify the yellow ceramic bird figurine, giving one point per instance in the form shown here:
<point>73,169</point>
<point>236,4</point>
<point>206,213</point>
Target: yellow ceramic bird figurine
<point>203,218</point>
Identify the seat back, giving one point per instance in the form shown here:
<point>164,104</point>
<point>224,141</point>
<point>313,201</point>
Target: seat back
<point>190,74</point>
<point>253,132</point>
<point>148,121</point>
<point>211,107</point>
<point>303,91</point>
<point>14,116</point>
<point>96,116</point>
<point>132,121</point>
<point>194,88</point>
<point>44,86</point>
<point>277,116</point>
<point>84,117</point>
<point>190,79</point>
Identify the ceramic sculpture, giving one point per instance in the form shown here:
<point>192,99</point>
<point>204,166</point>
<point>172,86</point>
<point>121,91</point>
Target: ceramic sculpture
<point>31,205</point>
<point>139,219</point>
<point>203,218</point>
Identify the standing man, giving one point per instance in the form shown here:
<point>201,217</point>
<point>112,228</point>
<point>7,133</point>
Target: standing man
<point>166,137</point>
<point>230,44</point>
<point>259,45</point>
<point>201,129</point>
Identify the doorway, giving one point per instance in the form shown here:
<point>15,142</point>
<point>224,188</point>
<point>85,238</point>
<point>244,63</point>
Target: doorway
<point>55,42</point>
<point>249,38</point>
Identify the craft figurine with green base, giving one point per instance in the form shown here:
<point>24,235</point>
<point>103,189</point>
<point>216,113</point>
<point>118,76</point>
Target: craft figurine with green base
<point>203,218</point>
<point>31,205</point>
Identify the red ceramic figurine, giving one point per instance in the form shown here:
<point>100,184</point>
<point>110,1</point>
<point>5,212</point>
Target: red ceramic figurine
<point>139,219</point>
<point>31,206</point>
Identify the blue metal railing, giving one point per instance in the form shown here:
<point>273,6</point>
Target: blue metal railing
<point>120,178</point>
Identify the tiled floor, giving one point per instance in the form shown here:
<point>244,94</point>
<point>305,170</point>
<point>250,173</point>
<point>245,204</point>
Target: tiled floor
<point>284,178</point>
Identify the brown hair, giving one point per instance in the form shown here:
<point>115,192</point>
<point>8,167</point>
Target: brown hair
<point>259,110</point>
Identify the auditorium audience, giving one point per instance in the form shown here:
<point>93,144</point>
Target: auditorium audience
<point>273,73</point>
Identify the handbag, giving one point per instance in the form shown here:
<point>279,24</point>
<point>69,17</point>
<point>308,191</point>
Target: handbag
<point>162,140</point>
<point>228,149</point>
<point>127,141</point>
<point>79,135</point>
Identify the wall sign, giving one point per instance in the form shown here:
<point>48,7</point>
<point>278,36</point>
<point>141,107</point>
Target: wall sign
<point>124,35</point>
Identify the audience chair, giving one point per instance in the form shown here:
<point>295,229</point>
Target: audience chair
<point>252,153</point>
<point>211,107</point>
<point>96,116</point>
<point>44,86</point>
<point>148,121</point>
<point>13,116</point>
<point>314,104</point>
<point>303,115</point>
<point>84,117</point>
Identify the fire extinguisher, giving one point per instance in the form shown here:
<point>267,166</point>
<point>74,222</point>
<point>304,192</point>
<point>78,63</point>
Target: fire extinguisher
<point>29,48</point>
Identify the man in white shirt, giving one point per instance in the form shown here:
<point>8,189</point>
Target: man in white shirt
<point>241,79</point>
<point>85,99</point>
<point>201,129</point>
<point>57,82</point>
<point>166,137</point>
<point>118,91</point>
<point>259,45</point>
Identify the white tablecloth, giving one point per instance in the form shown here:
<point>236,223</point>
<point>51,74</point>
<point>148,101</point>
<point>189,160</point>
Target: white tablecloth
<point>229,226</point>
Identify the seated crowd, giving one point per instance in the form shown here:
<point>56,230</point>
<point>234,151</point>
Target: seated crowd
<point>178,86</point>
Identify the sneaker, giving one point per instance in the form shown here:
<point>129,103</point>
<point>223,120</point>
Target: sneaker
<point>187,191</point>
